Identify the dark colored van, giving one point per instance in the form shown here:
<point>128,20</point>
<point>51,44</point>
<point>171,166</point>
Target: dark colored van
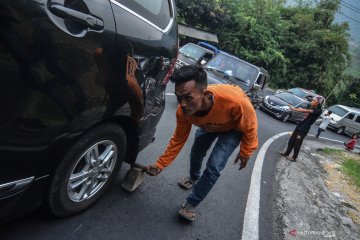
<point>82,89</point>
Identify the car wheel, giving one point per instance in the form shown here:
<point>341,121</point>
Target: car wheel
<point>86,171</point>
<point>286,117</point>
<point>340,130</point>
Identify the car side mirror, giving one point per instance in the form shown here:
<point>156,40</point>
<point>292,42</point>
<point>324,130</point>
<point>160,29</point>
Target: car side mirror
<point>256,87</point>
<point>203,61</point>
<point>228,73</point>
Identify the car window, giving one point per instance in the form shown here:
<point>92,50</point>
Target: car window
<point>289,98</point>
<point>350,116</point>
<point>338,110</point>
<point>206,58</point>
<point>304,105</point>
<point>260,80</point>
<point>240,70</point>
<point>193,51</point>
<point>298,92</point>
<point>156,11</point>
<point>357,119</point>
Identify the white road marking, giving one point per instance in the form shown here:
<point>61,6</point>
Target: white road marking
<point>250,229</point>
<point>332,140</point>
<point>327,138</point>
<point>170,94</point>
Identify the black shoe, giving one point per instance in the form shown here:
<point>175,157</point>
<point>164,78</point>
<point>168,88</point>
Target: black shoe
<point>282,154</point>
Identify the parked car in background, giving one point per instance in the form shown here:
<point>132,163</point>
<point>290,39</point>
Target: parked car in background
<point>228,69</point>
<point>82,89</point>
<point>300,92</point>
<point>278,106</point>
<point>344,119</point>
<point>195,54</point>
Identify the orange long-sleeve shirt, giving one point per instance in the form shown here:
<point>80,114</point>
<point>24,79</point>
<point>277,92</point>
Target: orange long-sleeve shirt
<point>232,110</point>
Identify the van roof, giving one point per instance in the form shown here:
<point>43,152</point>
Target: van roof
<point>350,109</point>
<point>209,46</point>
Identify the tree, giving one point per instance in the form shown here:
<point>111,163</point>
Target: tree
<point>317,48</point>
<point>209,15</point>
<point>351,96</point>
<point>300,45</point>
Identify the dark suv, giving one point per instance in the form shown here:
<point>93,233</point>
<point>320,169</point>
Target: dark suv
<point>82,89</point>
<point>193,54</point>
<point>228,69</point>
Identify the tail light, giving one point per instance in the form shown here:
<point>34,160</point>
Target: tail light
<point>171,70</point>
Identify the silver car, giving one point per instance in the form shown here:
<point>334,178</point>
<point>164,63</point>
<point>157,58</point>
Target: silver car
<point>345,119</point>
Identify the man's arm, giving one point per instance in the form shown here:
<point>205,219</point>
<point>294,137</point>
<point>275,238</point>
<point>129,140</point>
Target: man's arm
<point>248,125</point>
<point>301,110</point>
<point>181,134</point>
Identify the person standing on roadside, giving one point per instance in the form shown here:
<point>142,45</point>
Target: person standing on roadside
<point>221,112</point>
<point>324,123</point>
<point>303,127</point>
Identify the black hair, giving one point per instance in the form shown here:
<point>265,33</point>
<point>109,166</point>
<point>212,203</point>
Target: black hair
<point>329,112</point>
<point>188,73</point>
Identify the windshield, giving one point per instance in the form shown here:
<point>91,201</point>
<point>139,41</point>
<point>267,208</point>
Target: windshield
<point>193,51</point>
<point>338,110</point>
<point>235,68</point>
<point>289,98</point>
<point>298,92</point>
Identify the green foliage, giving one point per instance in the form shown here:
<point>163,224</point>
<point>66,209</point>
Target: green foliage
<point>351,95</point>
<point>209,15</point>
<point>317,47</point>
<point>331,151</point>
<point>351,167</point>
<point>300,45</point>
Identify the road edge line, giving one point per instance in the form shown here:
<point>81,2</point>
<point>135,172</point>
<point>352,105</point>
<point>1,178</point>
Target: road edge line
<point>250,230</point>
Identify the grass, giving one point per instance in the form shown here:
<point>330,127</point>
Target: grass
<point>329,151</point>
<point>351,168</point>
<point>349,165</point>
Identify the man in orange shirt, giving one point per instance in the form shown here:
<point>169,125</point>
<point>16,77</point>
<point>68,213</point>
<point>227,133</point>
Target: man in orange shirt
<point>221,112</point>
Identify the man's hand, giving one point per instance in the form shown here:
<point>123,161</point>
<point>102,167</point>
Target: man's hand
<point>153,170</point>
<point>243,161</point>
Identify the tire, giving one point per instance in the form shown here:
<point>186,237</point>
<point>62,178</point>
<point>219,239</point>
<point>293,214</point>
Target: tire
<point>340,130</point>
<point>286,118</point>
<point>68,193</point>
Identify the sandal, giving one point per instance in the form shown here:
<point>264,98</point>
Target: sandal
<point>187,212</point>
<point>291,159</point>
<point>187,182</point>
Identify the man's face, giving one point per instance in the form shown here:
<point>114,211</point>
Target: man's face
<point>189,97</point>
<point>314,103</point>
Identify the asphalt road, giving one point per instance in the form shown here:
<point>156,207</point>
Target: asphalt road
<point>151,211</point>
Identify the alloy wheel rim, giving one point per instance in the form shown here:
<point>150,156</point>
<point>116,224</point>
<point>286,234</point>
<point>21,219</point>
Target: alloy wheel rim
<point>91,171</point>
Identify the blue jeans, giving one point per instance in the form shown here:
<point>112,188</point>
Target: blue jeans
<point>224,147</point>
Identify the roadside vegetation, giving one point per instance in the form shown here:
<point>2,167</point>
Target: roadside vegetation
<point>328,150</point>
<point>343,178</point>
<point>299,43</point>
<point>352,169</point>
<point>350,163</point>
